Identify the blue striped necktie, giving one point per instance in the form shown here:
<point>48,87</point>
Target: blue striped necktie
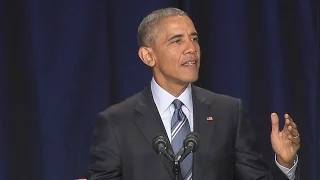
<point>179,129</point>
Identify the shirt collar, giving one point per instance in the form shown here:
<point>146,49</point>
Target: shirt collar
<point>163,99</point>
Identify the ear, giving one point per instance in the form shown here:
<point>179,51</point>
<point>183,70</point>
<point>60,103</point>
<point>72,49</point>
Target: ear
<point>146,55</point>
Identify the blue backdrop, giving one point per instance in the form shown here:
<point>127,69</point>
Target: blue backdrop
<point>62,62</point>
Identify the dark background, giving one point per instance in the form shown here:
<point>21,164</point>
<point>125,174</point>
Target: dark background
<point>62,62</point>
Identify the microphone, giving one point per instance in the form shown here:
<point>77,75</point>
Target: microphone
<point>160,144</point>
<point>190,144</point>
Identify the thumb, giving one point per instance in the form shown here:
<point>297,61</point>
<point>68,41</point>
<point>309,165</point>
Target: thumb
<point>274,123</point>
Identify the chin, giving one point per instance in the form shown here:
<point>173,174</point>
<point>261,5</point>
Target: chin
<point>191,79</point>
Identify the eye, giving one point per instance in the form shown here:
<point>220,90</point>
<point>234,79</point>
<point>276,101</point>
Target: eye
<point>176,41</point>
<point>195,39</point>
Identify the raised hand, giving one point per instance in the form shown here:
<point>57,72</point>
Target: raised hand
<point>285,143</point>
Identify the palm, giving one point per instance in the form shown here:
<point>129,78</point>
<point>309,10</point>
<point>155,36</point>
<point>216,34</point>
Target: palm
<point>283,146</point>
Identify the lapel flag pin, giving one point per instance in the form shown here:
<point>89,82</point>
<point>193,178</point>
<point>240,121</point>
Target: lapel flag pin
<point>209,118</point>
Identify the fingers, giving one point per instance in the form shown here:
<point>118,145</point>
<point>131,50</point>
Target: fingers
<point>289,121</point>
<point>290,125</point>
<point>275,123</point>
<point>295,139</point>
<point>294,135</point>
<point>292,131</point>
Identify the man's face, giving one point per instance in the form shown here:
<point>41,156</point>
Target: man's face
<point>176,51</point>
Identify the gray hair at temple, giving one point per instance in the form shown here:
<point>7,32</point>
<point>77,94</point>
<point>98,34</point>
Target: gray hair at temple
<point>147,27</point>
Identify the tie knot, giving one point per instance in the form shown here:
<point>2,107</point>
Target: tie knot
<point>177,104</point>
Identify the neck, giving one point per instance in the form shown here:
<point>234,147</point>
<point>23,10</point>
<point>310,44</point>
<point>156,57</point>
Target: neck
<point>175,89</point>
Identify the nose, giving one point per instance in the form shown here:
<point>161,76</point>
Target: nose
<point>191,47</point>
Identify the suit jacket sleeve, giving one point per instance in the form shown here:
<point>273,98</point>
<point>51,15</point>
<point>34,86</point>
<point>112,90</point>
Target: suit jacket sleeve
<point>105,159</point>
<point>249,162</point>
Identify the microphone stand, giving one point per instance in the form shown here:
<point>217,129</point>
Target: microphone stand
<point>176,165</point>
<point>177,170</point>
<point>177,159</point>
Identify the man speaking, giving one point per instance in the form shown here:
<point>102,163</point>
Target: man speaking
<point>171,108</point>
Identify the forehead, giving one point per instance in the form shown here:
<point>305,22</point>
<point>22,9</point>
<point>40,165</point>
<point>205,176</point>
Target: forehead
<point>176,25</point>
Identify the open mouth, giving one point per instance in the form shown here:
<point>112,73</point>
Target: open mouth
<point>189,63</point>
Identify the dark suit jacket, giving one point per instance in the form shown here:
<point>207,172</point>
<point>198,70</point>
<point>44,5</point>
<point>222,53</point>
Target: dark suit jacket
<point>122,146</point>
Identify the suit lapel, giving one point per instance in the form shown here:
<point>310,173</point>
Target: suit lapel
<point>202,125</point>
<point>150,124</point>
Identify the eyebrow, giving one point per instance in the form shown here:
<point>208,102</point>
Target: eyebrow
<point>181,35</point>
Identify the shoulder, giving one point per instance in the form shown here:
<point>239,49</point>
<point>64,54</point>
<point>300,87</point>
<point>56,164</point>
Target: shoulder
<point>215,97</point>
<point>228,107</point>
<point>123,108</point>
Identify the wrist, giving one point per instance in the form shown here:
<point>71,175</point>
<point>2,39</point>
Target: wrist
<point>287,164</point>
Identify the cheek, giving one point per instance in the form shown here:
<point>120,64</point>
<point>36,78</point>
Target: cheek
<point>172,61</point>
<point>175,57</point>
<point>169,60</point>
<point>198,49</point>
<point>171,66</point>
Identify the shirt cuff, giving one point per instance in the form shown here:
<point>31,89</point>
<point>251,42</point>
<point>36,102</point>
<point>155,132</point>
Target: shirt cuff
<point>289,172</point>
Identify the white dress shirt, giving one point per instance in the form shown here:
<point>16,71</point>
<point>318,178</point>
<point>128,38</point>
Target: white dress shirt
<point>163,101</point>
